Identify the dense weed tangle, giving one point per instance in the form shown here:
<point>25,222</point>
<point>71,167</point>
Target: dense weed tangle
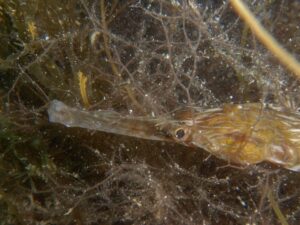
<point>139,58</point>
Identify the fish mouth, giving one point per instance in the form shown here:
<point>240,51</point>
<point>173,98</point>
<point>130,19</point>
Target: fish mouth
<point>59,113</point>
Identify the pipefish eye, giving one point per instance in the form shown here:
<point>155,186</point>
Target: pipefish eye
<point>180,133</point>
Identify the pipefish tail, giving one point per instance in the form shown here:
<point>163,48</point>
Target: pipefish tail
<point>242,134</point>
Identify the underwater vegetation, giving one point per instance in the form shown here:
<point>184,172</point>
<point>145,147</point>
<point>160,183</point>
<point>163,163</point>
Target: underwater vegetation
<point>114,60</point>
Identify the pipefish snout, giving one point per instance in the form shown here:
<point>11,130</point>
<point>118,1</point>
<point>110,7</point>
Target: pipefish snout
<point>241,134</point>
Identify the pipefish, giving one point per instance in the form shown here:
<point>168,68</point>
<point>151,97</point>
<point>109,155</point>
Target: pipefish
<point>242,134</point>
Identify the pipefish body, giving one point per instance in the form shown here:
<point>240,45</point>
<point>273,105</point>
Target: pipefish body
<point>243,134</point>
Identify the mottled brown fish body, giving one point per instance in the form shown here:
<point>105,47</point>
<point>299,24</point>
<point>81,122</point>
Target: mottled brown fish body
<point>247,134</point>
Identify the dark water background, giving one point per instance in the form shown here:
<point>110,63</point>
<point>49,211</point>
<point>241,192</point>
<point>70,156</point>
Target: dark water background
<point>143,58</point>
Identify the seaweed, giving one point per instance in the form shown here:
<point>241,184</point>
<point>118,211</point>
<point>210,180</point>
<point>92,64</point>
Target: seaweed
<point>139,58</point>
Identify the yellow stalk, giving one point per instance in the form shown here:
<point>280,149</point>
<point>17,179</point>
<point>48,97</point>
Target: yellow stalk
<point>266,38</point>
<point>276,209</point>
<point>32,29</point>
<point>82,85</point>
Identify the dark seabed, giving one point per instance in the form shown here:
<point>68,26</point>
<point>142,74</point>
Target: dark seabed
<point>137,58</point>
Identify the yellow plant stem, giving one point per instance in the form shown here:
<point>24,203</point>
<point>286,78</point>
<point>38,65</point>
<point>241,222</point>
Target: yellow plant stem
<point>106,39</point>
<point>31,26</point>
<point>266,38</point>
<point>82,85</point>
<point>114,68</point>
<point>276,208</point>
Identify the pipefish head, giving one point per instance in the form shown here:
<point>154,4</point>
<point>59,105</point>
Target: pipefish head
<point>215,130</point>
<point>241,134</point>
<point>182,128</point>
<point>176,131</point>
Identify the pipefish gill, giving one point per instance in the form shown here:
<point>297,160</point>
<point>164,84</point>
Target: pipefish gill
<point>242,134</point>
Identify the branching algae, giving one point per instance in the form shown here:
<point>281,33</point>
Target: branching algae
<point>241,134</point>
